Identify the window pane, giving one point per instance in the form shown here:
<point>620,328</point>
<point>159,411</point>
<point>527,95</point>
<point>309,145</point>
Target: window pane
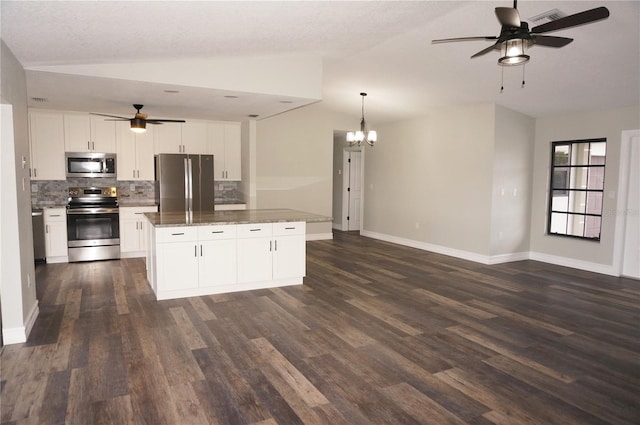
<point>578,179</point>
<point>594,203</point>
<point>596,178</point>
<point>592,227</point>
<point>598,152</point>
<point>575,226</point>
<point>577,202</point>
<point>561,155</point>
<point>560,201</point>
<point>558,223</point>
<point>560,178</point>
<point>580,154</point>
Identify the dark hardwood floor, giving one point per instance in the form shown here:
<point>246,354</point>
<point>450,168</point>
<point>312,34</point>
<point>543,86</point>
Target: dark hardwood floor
<point>378,334</point>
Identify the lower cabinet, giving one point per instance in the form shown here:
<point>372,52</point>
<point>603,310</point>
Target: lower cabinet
<point>210,259</point>
<point>55,235</point>
<point>133,238</point>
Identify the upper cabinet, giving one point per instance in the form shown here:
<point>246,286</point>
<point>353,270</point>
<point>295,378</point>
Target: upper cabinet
<point>189,137</point>
<point>46,131</point>
<point>226,148</point>
<point>89,133</point>
<point>195,137</point>
<point>135,153</point>
<point>167,137</point>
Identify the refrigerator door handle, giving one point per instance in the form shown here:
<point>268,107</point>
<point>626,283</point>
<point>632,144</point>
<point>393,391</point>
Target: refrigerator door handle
<point>190,185</point>
<point>186,184</point>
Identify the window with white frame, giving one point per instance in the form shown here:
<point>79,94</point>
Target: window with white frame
<point>576,191</point>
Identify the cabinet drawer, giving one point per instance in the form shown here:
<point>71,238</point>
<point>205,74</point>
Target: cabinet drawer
<point>176,234</point>
<point>55,214</point>
<point>256,230</point>
<point>217,232</point>
<point>289,228</point>
<point>135,212</point>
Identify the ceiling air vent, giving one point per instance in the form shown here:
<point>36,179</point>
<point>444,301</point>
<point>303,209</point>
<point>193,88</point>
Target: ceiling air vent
<point>548,16</point>
<point>40,99</point>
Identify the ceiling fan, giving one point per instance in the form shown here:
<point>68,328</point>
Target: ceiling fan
<point>139,121</point>
<point>515,34</point>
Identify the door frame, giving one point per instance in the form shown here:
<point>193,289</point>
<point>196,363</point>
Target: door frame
<point>623,189</point>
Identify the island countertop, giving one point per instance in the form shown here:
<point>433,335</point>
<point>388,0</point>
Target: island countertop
<point>233,217</point>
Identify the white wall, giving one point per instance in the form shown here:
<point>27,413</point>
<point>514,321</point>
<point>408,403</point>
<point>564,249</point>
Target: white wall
<point>17,278</point>
<point>512,182</point>
<point>294,166</point>
<point>590,255</point>
<point>429,180</point>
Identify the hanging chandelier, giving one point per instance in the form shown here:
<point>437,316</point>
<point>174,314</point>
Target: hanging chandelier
<point>362,135</point>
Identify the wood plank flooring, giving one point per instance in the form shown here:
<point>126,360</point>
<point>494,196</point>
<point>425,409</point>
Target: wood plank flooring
<point>378,334</point>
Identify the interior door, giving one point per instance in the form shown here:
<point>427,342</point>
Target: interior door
<point>355,190</point>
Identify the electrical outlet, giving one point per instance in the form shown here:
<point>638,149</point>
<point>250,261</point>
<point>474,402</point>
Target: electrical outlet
<point>132,187</point>
<point>34,188</point>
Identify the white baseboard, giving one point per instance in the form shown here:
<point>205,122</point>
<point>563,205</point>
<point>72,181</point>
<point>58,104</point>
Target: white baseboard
<point>20,334</point>
<point>497,259</point>
<point>574,264</point>
<point>319,236</point>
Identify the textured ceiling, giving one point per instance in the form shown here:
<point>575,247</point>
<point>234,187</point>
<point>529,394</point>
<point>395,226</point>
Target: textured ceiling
<point>379,47</point>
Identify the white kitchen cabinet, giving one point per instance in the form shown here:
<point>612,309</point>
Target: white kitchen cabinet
<point>289,259</point>
<point>225,141</point>
<point>168,138</point>
<point>89,133</point>
<point>55,235</point>
<point>218,255</point>
<point>133,237</point>
<point>271,251</point>
<point>176,258</point>
<point>186,261</point>
<point>46,137</point>
<point>135,153</point>
<point>255,252</point>
<point>195,137</point>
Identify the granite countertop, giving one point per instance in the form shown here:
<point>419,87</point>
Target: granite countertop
<point>233,217</point>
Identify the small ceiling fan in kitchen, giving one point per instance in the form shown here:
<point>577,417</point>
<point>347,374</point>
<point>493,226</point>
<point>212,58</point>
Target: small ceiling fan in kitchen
<point>515,35</point>
<point>139,121</point>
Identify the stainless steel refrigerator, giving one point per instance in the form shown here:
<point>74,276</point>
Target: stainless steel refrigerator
<point>184,183</point>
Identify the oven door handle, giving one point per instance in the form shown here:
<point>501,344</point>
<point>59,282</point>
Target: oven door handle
<point>92,211</point>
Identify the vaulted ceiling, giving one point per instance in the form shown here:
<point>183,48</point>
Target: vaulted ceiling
<point>227,60</point>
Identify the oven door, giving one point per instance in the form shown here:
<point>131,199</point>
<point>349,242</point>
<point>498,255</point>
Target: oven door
<point>93,227</point>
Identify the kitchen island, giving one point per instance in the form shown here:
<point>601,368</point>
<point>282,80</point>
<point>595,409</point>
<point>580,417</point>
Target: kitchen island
<point>226,251</point>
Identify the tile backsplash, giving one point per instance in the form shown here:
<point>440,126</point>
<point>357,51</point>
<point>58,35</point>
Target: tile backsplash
<point>49,193</point>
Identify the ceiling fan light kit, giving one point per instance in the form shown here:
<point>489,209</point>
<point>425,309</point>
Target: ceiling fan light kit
<point>362,135</point>
<point>138,125</point>
<point>514,53</point>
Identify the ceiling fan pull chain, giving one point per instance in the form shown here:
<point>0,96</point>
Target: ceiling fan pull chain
<point>523,66</point>
<point>502,80</point>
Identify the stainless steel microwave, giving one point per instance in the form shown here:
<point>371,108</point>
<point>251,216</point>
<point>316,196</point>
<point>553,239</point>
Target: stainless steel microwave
<point>90,164</point>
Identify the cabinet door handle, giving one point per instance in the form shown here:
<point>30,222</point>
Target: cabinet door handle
<point>255,230</point>
<point>195,250</point>
<point>88,145</point>
<point>138,173</point>
<point>289,228</point>
<point>270,245</point>
<point>46,228</point>
<point>177,234</point>
<point>54,215</point>
<point>201,250</point>
<point>134,174</point>
<point>35,172</point>
<point>93,146</point>
<point>217,231</point>
<point>276,245</point>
